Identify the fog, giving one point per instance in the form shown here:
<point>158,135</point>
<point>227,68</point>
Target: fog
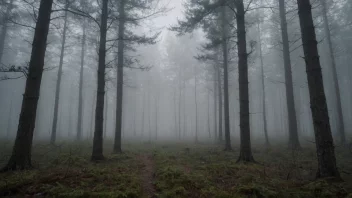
<point>175,72</point>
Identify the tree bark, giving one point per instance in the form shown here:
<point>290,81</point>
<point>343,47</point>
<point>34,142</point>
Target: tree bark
<point>97,153</point>
<point>340,121</point>
<point>245,148</point>
<point>21,153</point>
<point>81,76</point>
<point>58,82</point>
<point>323,138</point>
<point>293,140</point>
<point>226,80</point>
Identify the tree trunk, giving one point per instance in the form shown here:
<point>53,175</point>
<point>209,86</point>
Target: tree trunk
<point>184,110</point>
<point>4,29</point>
<point>106,113</point>
<point>340,121</point>
<point>291,111</point>
<point>245,149</point>
<point>156,114</point>
<point>267,142</point>
<point>215,101</point>
<point>220,102</point>
<point>323,138</point>
<point>119,91</point>
<point>143,112</point>
<point>81,73</point>
<point>97,153</point>
<point>21,154</point>
<point>9,121</point>
<point>92,117</point>
<point>179,103</point>
<point>58,82</point>
<point>226,81</point>
<point>208,114</point>
<point>195,101</point>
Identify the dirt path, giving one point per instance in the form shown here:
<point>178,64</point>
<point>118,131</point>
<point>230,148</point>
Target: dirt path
<point>148,175</point>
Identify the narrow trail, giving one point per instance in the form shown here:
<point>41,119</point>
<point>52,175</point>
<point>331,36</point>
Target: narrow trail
<point>148,175</point>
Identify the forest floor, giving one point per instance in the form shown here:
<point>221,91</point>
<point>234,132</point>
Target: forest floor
<point>172,170</point>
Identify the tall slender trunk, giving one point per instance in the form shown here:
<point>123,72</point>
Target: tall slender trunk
<point>175,112</point>
<point>245,149</point>
<point>4,29</point>
<point>340,122</point>
<point>293,140</point>
<point>267,143</point>
<point>208,114</point>
<point>97,153</point>
<point>156,114</point>
<point>81,73</point>
<point>149,112</point>
<point>179,103</point>
<point>134,115</point>
<point>21,154</point>
<point>92,117</point>
<point>226,79</point>
<point>120,63</point>
<point>220,102</point>
<point>106,113</point>
<point>184,110</point>
<point>195,101</point>
<point>9,121</point>
<point>58,82</point>
<point>143,112</point>
<point>215,112</point>
<point>323,138</point>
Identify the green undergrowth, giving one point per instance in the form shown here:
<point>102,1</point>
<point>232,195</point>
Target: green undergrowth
<point>66,171</point>
<point>181,171</point>
<point>200,171</point>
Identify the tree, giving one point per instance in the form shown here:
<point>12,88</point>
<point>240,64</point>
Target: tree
<point>59,76</point>
<point>341,125</point>
<point>324,141</point>
<point>80,86</point>
<point>267,142</point>
<point>292,120</point>
<point>21,153</point>
<point>245,148</point>
<point>120,62</point>
<point>97,153</point>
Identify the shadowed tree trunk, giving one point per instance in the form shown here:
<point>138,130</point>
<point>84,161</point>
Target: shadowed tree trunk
<point>58,82</point>
<point>265,122</point>
<point>218,69</point>
<point>184,109</point>
<point>81,73</point>
<point>106,113</point>
<point>245,149</point>
<point>92,117</point>
<point>119,91</point>
<point>195,101</point>
<point>21,153</point>
<point>9,121</point>
<point>97,153</point>
<point>323,138</point>
<point>156,113</point>
<point>226,80</point>
<point>208,113</point>
<point>4,29</point>
<point>340,122</point>
<point>293,140</point>
<point>215,101</point>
